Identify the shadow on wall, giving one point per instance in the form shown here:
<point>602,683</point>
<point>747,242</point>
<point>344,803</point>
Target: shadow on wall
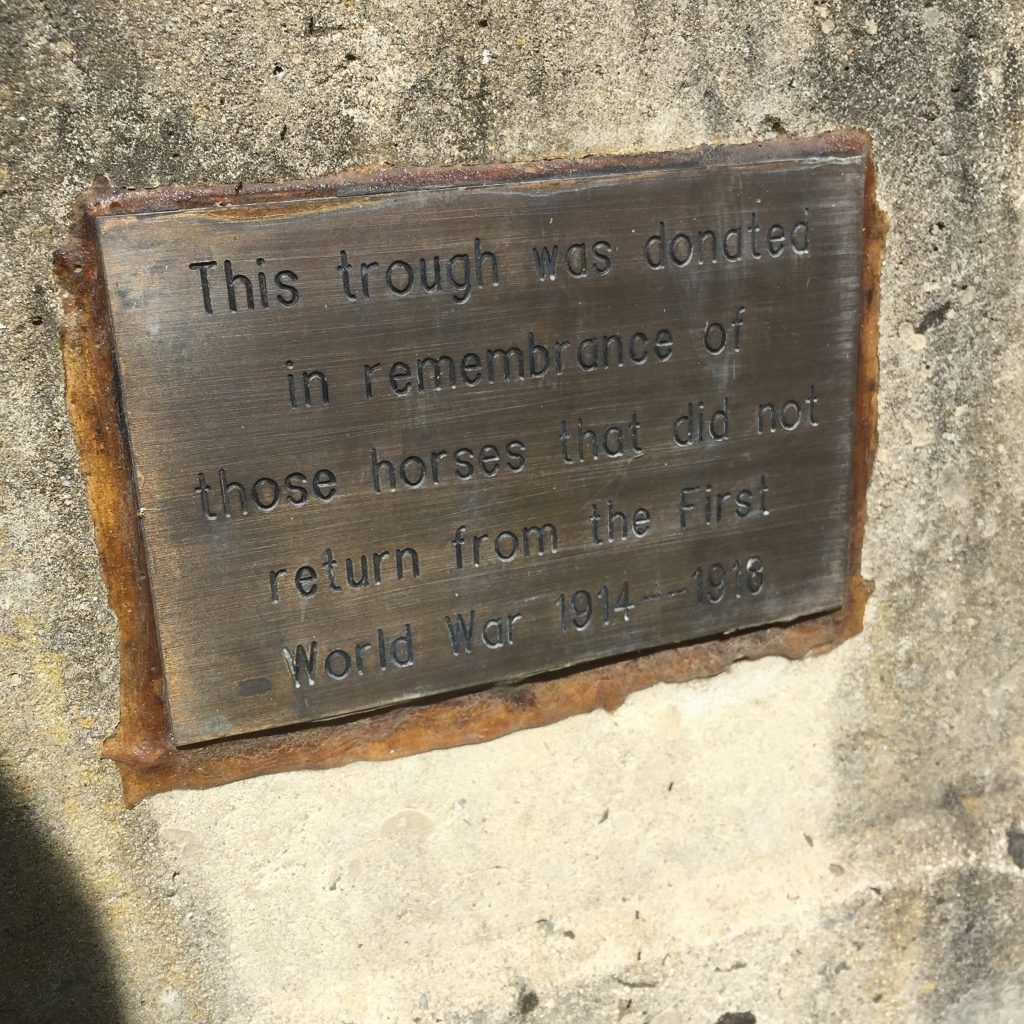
<point>53,965</point>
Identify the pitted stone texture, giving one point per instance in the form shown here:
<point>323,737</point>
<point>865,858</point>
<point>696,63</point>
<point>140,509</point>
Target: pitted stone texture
<point>834,845</point>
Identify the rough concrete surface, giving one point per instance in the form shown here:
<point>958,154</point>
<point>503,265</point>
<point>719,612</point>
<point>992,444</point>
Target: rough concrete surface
<point>840,839</point>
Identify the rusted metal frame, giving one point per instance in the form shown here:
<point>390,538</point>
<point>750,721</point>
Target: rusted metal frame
<point>142,748</point>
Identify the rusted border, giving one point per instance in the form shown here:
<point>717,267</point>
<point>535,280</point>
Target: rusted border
<point>147,759</point>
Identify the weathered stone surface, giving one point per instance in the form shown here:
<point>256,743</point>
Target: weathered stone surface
<point>837,842</point>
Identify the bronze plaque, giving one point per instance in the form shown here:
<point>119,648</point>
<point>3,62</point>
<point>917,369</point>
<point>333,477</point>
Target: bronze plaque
<point>424,439</point>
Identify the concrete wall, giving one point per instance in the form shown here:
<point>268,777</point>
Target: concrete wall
<point>838,839</point>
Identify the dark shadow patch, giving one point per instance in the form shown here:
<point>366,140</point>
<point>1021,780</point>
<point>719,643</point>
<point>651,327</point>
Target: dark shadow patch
<point>54,967</point>
<point>743,1017</point>
<point>934,317</point>
<point>1015,846</point>
<point>527,1001</point>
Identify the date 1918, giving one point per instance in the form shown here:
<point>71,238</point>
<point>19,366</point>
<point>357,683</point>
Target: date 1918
<point>718,581</point>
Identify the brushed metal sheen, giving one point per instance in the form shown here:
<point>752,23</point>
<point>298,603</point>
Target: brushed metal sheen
<point>350,353</point>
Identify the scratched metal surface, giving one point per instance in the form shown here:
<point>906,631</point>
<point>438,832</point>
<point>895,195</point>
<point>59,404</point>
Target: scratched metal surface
<point>203,391</point>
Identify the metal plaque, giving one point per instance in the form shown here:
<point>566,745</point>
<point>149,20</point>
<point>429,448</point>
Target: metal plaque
<point>416,441</point>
